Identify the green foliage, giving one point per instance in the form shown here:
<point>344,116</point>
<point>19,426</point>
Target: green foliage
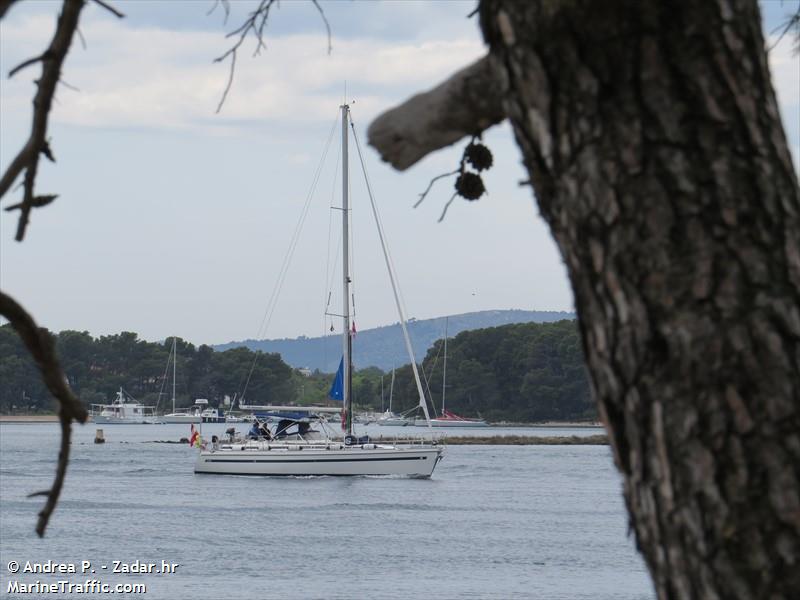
<point>523,372</point>
<point>97,367</point>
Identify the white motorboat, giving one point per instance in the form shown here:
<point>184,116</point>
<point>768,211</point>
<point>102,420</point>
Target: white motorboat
<point>389,419</point>
<point>212,415</point>
<point>352,455</point>
<point>182,415</point>
<point>125,410</point>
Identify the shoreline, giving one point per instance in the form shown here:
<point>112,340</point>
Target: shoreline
<point>501,424</point>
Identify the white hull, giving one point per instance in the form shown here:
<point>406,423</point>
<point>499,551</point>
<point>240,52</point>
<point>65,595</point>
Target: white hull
<point>99,420</point>
<point>179,418</point>
<point>395,422</point>
<point>451,423</point>
<point>307,459</point>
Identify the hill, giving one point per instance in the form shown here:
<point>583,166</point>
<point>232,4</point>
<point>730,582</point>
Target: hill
<point>383,347</point>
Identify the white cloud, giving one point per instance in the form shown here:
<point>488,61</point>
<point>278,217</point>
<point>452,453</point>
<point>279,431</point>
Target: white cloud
<point>148,77</point>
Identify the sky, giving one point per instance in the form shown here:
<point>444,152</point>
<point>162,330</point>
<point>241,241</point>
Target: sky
<point>175,220</point>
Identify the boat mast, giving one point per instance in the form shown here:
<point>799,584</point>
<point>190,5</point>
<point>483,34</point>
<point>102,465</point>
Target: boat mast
<point>347,341</point>
<point>174,368</point>
<point>444,368</point>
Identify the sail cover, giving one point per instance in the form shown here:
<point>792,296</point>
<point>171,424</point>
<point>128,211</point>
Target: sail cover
<point>337,389</point>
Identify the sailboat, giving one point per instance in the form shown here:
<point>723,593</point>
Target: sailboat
<point>182,415</point>
<point>304,454</point>
<point>449,419</point>
<point>390,419</point>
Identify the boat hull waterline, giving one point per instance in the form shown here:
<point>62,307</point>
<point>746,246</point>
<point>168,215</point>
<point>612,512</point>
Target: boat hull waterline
<point>180,418</point>
<point>451,423</point>
<point>309,460</point>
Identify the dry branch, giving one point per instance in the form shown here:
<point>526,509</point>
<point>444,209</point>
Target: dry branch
<point>40,345</point>
<point>4,6</point>
<point>110,8</point>
<point>255,24</point>
<point>28,158</point>
<point>466,104</point>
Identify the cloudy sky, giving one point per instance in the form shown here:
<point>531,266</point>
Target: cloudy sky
<point>175,220</point>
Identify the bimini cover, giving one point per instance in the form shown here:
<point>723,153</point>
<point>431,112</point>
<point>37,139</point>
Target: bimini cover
<point>337,389</point>
<point>285,415</point>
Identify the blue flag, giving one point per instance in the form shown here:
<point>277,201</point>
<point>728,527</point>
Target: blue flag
<point>337,389</point>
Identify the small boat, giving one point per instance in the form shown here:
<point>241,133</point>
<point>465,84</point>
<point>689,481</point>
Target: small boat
<point>125,410</point>
<point>390,419</point>
<point>212,415</point>
<point>449,419</point>
<point>322,453</point>
<point>179,415</point>
<point>182,415</point>
<point>229,418</point>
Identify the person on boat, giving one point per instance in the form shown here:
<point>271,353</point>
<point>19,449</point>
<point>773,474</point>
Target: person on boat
<point>254,432</point>
<point>264,432</point>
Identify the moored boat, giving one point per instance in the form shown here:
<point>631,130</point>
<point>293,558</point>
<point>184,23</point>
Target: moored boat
<point>448,419</point>
<point>125,410</point>
<point>178,415</point>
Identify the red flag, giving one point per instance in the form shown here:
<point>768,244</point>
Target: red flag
<point>353,332</point>
<point>193,436</point>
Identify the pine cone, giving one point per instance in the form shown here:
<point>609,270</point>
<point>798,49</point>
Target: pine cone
<point>470,186</point>
<point>479,156</point>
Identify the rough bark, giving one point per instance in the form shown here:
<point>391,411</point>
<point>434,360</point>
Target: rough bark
<point>653,141</point>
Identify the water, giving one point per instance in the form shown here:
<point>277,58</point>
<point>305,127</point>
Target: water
<point>494,522</point>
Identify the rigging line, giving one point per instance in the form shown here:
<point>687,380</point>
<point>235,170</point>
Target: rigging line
<point>352,229</point>
<point>328,282</point>
<point>392,278</point>
<point>427,385</point>
<point>330,273</point>
<point>267,318</point>
<point>164,378</point>
<point>378,219</point>
<point>433,369</point>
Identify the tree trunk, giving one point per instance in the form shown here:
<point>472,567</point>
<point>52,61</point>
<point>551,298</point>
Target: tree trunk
<point>651,134</point>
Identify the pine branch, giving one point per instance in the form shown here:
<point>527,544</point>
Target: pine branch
<point>27,159</point>
<point>40,345</point>
<point>255,25</point>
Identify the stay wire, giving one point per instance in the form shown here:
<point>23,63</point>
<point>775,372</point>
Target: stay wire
<point>272,303</point>
<point>382,234</point>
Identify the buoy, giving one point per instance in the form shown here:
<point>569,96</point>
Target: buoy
<point>98,437</point>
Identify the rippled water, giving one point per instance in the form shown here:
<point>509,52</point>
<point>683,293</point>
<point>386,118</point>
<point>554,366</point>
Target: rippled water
<point>494,522</point>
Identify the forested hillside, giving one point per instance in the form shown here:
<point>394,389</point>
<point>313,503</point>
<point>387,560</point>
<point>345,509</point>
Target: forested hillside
<point>523,372</point>
<point>97,367</point>
<point>383,347</point>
